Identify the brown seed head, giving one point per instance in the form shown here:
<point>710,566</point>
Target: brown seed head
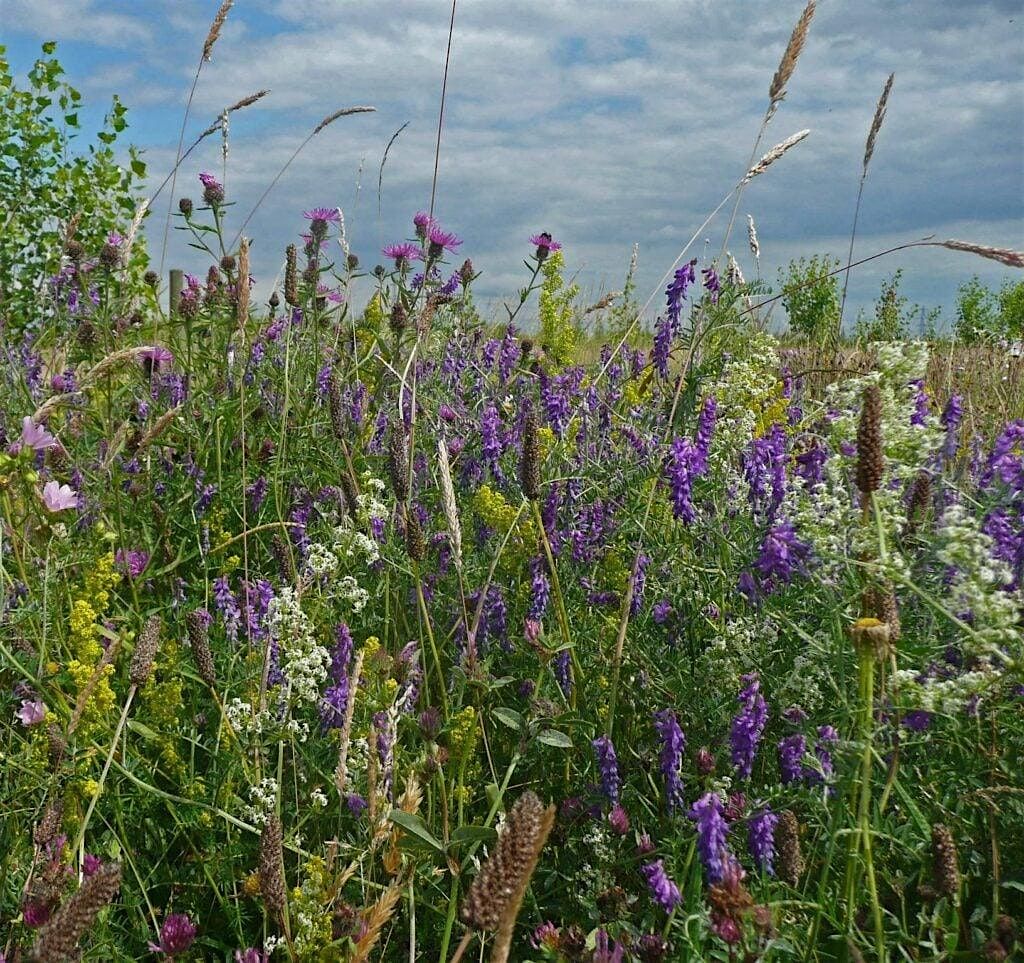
<point>398,463</point>
<point>415,543</point>
<point>876,122</point>
<point>777,88</point>
<point>145,652</point>
<point>945,861</point>
<point>58,940</point>
<point>787,838</point>
<point>198,624</point>
<point>291,276</point>
<point>271,867</point>
<point>529,462</point>
<point>870,460</point>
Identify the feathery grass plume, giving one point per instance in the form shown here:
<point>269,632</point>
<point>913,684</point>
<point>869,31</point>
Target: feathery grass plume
<point>448,503</point>
<point>198,625</point>
<point>529,461</point>
<point>920,499</point>
<point>291,276</point>
<point>344,112</point>
<point>398,463</point>
<point>774,154</point>
<point>415,543</point>
<point>145,652</point>
<point>242,283</point>
<point>271,868</point>
<point>374,920</point>
<point>498,888</point>
<point>58,940</point>
<point>1001,254</point>
<point>876,121</point>
<point>341,771</point>
<point>215,28</point>
<point>777,88</point>
<point>945,861</point>
<point>790,865</point>
<point>752,241</point>
<point>238,105</point>
<point>870,460</point>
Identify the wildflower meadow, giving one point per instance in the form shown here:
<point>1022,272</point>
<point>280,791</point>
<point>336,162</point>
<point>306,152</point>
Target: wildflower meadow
<point>353,622</point>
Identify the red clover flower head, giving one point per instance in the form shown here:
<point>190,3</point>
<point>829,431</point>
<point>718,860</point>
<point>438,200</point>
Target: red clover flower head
<point>176,936</point>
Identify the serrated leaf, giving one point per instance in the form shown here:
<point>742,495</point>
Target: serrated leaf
<point>552,737</point>
<point>415,826</point>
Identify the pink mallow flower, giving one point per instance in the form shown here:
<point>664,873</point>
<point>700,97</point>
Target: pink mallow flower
<point>35,436</point>
<point>31,713</point>
<point>57,497</point>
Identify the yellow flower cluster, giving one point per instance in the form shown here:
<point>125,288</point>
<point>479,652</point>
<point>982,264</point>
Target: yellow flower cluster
<point>161,697</point>
<point>309,910</point>
<point>86,610</point>
<point>495,511</point>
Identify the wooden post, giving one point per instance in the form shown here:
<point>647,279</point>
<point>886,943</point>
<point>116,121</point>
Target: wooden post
<point>177,282</point>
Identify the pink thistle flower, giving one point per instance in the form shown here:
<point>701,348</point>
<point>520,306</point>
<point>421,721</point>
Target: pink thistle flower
<point>31,712</point>
<point>58,498</point>
<point>546,245</point>
<point>441,241</point>
<point>330,214</point>
<point>403,253</point>
<point>35,436</point>
<point>618,819</point>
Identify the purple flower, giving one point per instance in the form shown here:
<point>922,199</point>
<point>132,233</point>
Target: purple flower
<point>639,583</point>
<point>91,865</point>
<point>761,838</point>
<point>711,283</point>
<point>673,742</point>
<point>827,737</point>
<point>748,725</point>
<point>917,720</point>
<point>676,292</point>
<point>1006,460</point>
<point>225,602</point>
<point>330,214</point>
<point>176,936</point>
<point>765,467</point>
<point>683,466</point>
<point>540,588</point>
<point>782,553</point>
<point>251,955</point>
<point>618,819</point>
<point>662,346</point>
<point>422,223</point>
<point>133,562</point>
<point>664,892</point>
<point>562,667</point>
<point>31,712</point>
<point>920,413</point>
<point>706,812</point>
<point>608,767</point>
<point>59,498</point>
<point>545,935</point>
<point>605,951</point>
<point>403,253</point>
<point>705,429</point>
<point>356,804</point>
<point>792,750</point>
<point>545,245</point>
<point>35,436</point>
<point>441,241</point>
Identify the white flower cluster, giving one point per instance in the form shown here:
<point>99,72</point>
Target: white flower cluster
<point>368,501</point>
<point>242,719</point>
<point>351,591</point>
<point>262,800</point>
<point>317,798</point>
<point>350,544</point>
<point>321,560</point>
<point>304,663</point>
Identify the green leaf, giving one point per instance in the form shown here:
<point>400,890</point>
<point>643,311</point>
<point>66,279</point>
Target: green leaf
<point>508,717</point>
<point>473,834</point>
<point>415,826</point>
<point>552,737</point>
<point>143,730</point>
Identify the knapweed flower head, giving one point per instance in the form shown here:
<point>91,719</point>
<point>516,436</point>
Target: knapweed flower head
<point>176,936</point>
<point>708,814</point>
<point>403,253</point>
<point>329,214</point>
<point>422,222</point>
<point>663,890</point>
<point>59,498</point>
<point>545,245</point>
<point>440,241</point>
<point>213,190</point>
<point>748,725</point>
<point>608,767</point>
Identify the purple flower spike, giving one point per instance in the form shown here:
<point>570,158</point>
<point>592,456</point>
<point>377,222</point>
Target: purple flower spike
<point>673,742</point>
<point>761,838</point>
<point>707,813</point>
<point>608,766</point>
<point>664,892</point>
<point>748,725</point>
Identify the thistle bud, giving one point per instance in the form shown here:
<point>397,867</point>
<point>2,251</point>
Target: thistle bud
<point>352,262</point>
<point>466,274</point>
<point>870,460</point>
<point>228,263</point>
<point>145,652</point>
<point>151,278</point>
<point>74,250</point>
<point>185,206</point>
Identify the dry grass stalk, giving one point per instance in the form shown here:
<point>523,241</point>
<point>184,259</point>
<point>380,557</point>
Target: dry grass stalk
<point>451,509</point>
<point>1001,254</point>
<point>58,940</point>
<point>774,154</point>
<point>242,282</point>
<point>876,122</point>
<point>215,28</point>
<point>341,772</point>
<point>102,367</point>
<point>376,918</point>
<point>777,88</point>
<point>344,112</point>
<point>603,303</point>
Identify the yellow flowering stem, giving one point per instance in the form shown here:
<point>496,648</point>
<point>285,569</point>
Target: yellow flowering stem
<point>430,637</point>
<point>80,838</point>
<point>556,591</point>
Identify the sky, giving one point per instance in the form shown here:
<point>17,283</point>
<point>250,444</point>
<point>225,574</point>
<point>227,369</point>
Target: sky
<point>609,124</point>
